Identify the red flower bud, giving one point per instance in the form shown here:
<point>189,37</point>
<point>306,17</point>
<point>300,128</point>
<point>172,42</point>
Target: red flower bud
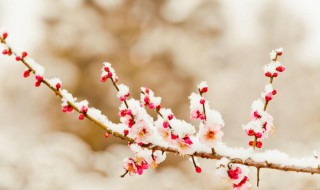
<point>4,35</point>
<point>165,124</point>
<point>250,132</point>
<point>274,92</point>
<point>26,73</point>
<point>104,78</point>
<point>81,117</point>
<point>258,135</point>
<point>24,54</point>
<point>259,144</point>
<point>198,169</point>
<point>58,86</point>
<point>204,90</point>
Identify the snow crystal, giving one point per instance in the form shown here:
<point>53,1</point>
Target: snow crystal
<point>66,96</point>
<point>39,69</point>
<point>182,128</point>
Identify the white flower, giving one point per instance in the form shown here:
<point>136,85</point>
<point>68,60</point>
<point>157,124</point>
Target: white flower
<point>210,134</point>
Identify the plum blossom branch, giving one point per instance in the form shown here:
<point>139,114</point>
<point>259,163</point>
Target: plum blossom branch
<point>261,123</point>
<point>150,151</point>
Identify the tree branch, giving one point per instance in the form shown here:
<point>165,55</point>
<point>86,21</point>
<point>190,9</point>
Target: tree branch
<point>214,156</point>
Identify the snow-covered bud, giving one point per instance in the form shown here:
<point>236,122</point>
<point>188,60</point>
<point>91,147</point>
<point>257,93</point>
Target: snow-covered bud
<point>275,53</point>
<point>55,82</point>
<point>108,72</point>
<point>123,92</point>
<point>203,87</point>
<point>268,93</point>
<point>236,174</point>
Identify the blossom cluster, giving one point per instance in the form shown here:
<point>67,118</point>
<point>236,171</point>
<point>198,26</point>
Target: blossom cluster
<point>210,132</point>
<point>142,160</point>
<point>261,122</point>
<point>235,174</point>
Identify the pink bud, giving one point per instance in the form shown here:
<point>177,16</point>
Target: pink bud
<point>274,92</point>
<point>204,90</point>
<point>173,136</point>
<point>146,100</point>
<point>24,54</point>
<point>280,69</point>
<point>198,169</point>
<point>256,114</point>
<point>131,123</point>
<point>125,132</point>
<point>38,83</point>
<point>275,75</point>
<point>250,132</point>
<point>84,109</point>
<point>109,75</point>
<point>122,98</point>
<point>259,144</point>
<point>4,35</point>
<point>267,74</point>
<point>106,135</point>
<point>26,73</point>
<point>165,124</point>
<point>129,112</point>
<point>151,106</point>
<point>18,58</point>
<point>268,98</point>
<point>258,135</point>
<point>250,143</point>
<point>187,140</point>
<point>65,108</point>
<point>106,69</point>
<point>170,117</point>
<point>70,109</point>
<point>5,52</point>
<point>202,101</point>
<point>58,86</point>
<point>123,113</point>
<point>202,117</point>
<point>104,78</point>
<point>39,78</point>
<point>81,116</point>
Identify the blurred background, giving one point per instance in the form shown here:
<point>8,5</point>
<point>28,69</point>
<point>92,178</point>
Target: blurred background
<point>168,46</point>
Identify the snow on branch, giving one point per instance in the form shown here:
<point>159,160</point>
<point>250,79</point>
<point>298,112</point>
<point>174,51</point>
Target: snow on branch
<point>150,139</point>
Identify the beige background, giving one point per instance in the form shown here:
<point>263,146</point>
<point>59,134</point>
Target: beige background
<point>169,46</point>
